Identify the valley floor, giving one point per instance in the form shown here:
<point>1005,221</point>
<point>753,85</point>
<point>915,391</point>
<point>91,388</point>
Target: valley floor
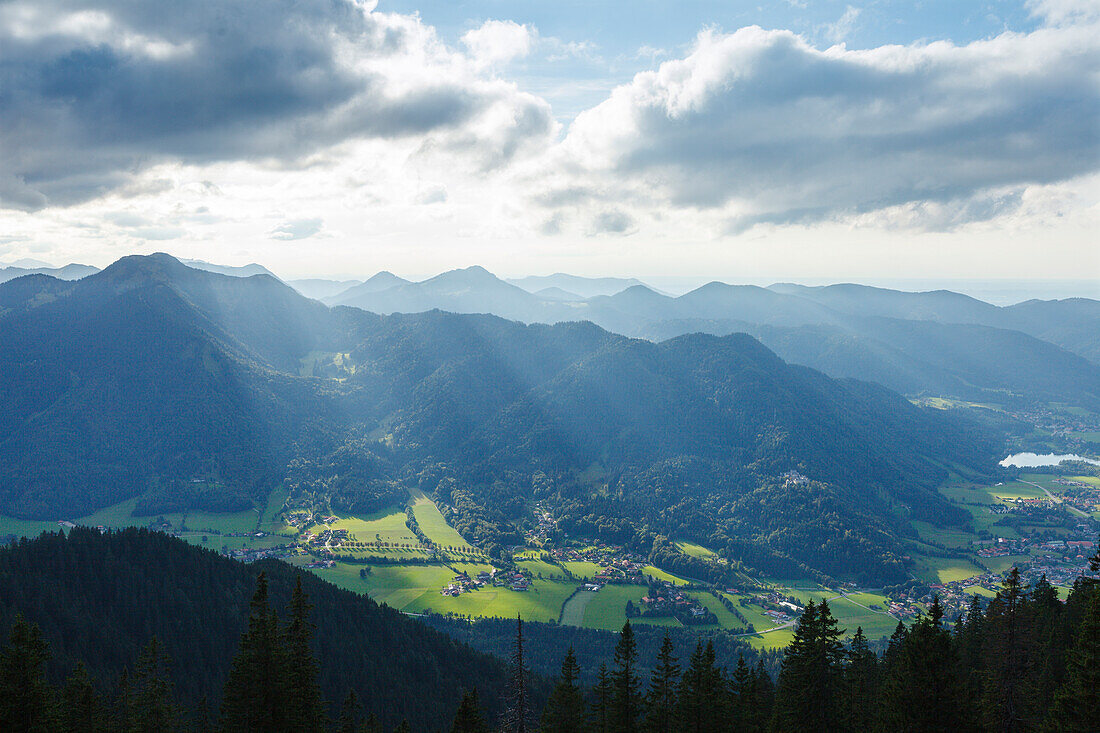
<point>1040,522</point>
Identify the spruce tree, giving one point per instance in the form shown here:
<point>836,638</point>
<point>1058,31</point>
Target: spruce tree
<point>741,687</point>
<point>689,712</point>
<point>922,687</point>
<point>810,677</point>
<point>517,712</point>
<point>758,712</point>
<point>626,698</point>
<point>661,697</point>
<point>148,703</point>
<point>203,723</point>
<point>305,710</point>
<point>1077,705</point>
<point>564,711</point>
<point>26,700</point>
<point>702,692</point>
<point>254,696</point>
<point>81,710</point>
<point>351,716</point>
<point>600,719</point>
<point>468,718</point>
<point>1008,659</point>
<point>859,685</point>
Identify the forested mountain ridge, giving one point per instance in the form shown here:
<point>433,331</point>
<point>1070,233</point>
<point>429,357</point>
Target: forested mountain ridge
<point>139,379</point>
<point>100,598</point>
<point>143,629</point>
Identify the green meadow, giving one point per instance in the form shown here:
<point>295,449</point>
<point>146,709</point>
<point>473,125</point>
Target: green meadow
<point>694,550</point>
<point>432,522</point>
<point>607,608</point>
<point>943,569</point>
<point>583,568</point>
<point>387,525</point>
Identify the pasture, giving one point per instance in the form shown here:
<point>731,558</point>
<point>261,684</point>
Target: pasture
<point>387,525</point>
<point>607,608</point>
<point>694,550</point>
<point>432,522</point>
<point>943,569</point>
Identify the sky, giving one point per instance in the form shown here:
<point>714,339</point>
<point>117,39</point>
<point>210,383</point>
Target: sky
<point>790,140</point>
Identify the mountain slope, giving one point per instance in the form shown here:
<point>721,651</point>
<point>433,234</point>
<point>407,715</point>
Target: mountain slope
<point>68,272</point>
<point>1073,323</point>
<point>470,290</point>
<point>586,287</point>
<point>319,288</point>
<point>128,379</point>
<point>99,598</point>
<point>150,374</point>
<point>232,270</point>
<point>937,305</point>
<point>971,362</point>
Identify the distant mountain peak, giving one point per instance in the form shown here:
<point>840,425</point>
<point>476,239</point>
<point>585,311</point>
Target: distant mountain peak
<point>248,270</point>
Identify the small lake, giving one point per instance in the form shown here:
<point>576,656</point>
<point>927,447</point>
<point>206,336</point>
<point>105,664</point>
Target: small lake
<point>1035,460</point>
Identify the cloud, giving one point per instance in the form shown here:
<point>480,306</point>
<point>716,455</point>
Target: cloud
<point>297,229</point>
<point>612,221</point>
<point>762,127</point>
<point>93,92</point>
<point>431,195</point>
<point>1059,12</point>
<point>498,42</point>
<point>838,31</point>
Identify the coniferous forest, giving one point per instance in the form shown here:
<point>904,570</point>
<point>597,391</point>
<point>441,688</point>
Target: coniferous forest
<point>296,654</point>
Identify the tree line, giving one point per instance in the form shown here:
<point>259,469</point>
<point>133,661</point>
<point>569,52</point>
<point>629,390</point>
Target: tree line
<point>1025,662</point>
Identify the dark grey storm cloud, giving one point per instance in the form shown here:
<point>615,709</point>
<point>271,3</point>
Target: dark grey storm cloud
<point>91,92</point>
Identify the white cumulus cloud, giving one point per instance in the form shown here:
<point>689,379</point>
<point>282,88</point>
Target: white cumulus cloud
<point>498,42</point>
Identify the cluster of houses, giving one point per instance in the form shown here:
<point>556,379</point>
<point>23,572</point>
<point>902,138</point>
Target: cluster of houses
<point>1082,496</point>
<point>617,565</point>
<point>775,605</point>
<point>664,599</point>
<point>464,583</point>
<point>328,538</point>
<point>252,554</point>
<point>544,525</point>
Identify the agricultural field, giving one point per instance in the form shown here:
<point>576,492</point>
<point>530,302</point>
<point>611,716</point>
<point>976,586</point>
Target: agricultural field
<point>607,608</point>
<point>726,620</point>
<point>120,515</point>
<point>1001,564</point>
<point>944,569</point>
<point>850,615</point>
<point>432,522</point>
<point>582,568</point>
<point>218,542</point>
<point>540,567</point>
<point>950,537</point>
<point>980,591</point>
<point>387,525</point>
<point>26,527</point>
<point>694,550</point>
<point>237,522</point>
<point>542,601</point>
<point>275,502</point>
<point>656,573</point>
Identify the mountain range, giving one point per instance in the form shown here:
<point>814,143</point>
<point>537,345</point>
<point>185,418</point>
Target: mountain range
<point>915,343</point>
<point>68,272</point>
<point>183,387</point>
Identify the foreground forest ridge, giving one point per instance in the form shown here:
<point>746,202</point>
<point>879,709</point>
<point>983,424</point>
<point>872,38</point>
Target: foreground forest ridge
<point>1026,662</point>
